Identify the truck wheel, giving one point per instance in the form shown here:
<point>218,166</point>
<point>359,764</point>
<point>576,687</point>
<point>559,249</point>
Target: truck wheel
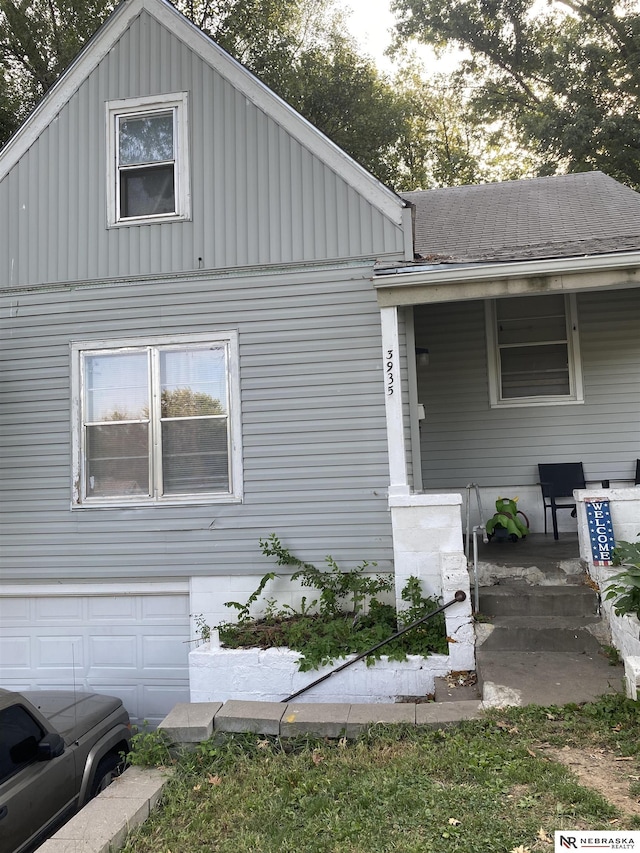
<point>107,770</point>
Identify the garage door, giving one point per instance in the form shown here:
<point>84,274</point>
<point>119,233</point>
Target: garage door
<point>131,643</point>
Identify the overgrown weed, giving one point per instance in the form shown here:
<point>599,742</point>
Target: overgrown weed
<point>346,616</point>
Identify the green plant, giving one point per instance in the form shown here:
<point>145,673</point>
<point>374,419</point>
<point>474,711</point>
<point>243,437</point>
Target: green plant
<point>612,655</point>
<point>349,618</point>
<point>244,614</point>
<point>204,629</point>
<point>624,587</point>
<point>340,590</point>
<point>487,786</point>
<point>149,748</point>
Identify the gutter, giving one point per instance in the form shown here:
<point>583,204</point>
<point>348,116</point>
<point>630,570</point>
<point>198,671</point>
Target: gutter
<point>432,274</point>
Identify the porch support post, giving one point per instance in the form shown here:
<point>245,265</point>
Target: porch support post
<point>398,474</point>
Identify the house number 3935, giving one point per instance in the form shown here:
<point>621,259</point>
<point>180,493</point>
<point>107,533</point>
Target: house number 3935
<point>389,372</point>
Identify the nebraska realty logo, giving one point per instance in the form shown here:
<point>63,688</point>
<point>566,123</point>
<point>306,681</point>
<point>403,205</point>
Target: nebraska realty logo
<point>566,840</point>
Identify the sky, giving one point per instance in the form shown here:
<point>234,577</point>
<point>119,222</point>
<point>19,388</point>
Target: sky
<point>370,22</point>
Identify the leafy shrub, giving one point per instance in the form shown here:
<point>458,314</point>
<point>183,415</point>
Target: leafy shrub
<point>346,618</point>
<point>149,748</point>
<point>625,586</point>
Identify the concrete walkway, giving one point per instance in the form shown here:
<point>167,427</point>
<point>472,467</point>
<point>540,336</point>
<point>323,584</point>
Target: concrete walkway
<point>104,823</point>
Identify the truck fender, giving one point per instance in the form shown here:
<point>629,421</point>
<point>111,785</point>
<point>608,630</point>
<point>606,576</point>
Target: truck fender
<point>115,741</point>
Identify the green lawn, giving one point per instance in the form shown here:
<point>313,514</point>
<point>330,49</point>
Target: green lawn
<point>481,787</point>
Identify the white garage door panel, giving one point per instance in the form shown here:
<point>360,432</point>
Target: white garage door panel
<point>59,651</point>
<point>113,651</point>
<point>135,646</point>
<point>15,652</point>
<point>14,610</point>
<point>56,610</point>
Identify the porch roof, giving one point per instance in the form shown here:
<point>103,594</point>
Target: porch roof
<point>563,216</point>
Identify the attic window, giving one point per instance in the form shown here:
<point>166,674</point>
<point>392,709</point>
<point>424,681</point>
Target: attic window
<point>534,356</point>
<point>148,174</point>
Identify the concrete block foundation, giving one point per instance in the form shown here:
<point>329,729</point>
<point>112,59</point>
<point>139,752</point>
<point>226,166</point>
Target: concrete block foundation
<point>270,675</point>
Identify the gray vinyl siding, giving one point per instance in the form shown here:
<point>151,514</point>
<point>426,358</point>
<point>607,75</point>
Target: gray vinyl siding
<point>463,440</point>
<point>313,428</point>
<point>257,195</point>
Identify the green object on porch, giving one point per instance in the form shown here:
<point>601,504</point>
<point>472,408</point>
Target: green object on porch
<point>505,523</point>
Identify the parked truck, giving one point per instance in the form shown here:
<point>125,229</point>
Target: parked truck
<point>58,749</point>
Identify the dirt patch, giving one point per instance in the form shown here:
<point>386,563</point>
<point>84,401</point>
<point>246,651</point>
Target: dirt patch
<point>604,772</point>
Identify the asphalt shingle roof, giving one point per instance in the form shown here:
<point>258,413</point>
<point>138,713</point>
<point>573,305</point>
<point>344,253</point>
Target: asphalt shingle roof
<point>562,216</point>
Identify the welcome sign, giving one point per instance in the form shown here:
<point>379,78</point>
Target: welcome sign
<point>600,531</point>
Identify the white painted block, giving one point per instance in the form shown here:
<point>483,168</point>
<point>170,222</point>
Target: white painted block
<point>217,675</point>
<point>632,676</point>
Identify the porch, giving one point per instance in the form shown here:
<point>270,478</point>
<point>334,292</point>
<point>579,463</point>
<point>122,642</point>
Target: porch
<point>538,559</point>
<point>510,342</point>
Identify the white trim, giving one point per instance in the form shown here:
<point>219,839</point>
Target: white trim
<point>575,356</point>
<point>179,103</point>
<point>446,499</point>
<point>576,390</point>
<point>44,589</point>
<point>412,382</point>
<point>398,474</point>
<point>228,337</point>
<point>386,201</point>
<point>463,273</point>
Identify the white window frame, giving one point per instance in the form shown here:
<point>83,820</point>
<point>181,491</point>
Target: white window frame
<point>576,389</point>
<point>130,107</point>
<point>227,338</point>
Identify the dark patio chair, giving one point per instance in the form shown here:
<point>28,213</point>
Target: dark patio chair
<point>557,481</point>
<point>637,483</point>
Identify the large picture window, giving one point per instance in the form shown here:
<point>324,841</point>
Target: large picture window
<point>148,174</point>
<point>157,422</point>
<point>534,356</point>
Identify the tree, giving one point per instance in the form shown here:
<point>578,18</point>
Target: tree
<point>409,133</point>
<point>343,95</point>
<point>565,79</point>
<point>443,144</point>
<point>297,47</point>
<point>185,403</point>
<point>38,40</point>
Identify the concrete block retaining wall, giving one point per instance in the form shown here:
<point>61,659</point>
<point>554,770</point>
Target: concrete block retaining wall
<point>625,518</point>
<point>427,544</point>
<point>269,675</point>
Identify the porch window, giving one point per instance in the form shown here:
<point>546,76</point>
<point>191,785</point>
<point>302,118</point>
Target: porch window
<point>148,174</point>
<point>534,354</point>
<point>158,422</point>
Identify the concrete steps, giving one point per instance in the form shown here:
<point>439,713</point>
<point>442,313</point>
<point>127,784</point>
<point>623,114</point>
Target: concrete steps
<point>541,645</point>
<point>514,598</point>
<point>544,634</point>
